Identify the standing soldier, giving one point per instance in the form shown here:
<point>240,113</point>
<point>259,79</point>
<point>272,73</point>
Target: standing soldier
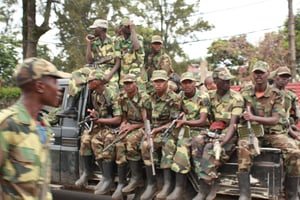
<point>106,114</point>
<point>264,108</point>
<point>226,107</point>
<point>130,49</point>
<point>164,104</point>
<point>100,53</point>
<point>195,105</point>
<point>131,130</point>
<point>25,135</point>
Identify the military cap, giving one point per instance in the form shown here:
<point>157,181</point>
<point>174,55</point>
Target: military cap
<point>96,74</point>
<point>187,76</point>
<point>159,75</point>
<point>35,68</point>
<point>217,70</point>
<point>260,66</point>
<point>156,39</point>
<point>125,21</point>
<point>283,70</point>
<point>99,23</point>
<point>225,75</point>
<point>129,78</point>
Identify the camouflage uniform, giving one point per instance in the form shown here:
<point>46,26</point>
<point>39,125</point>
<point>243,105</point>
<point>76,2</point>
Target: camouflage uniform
<point>192,108</point>
<point>106,106</point>
<point>132,62</point>
<point>221,110</point>
<point>162,108</point>
<point>275,136</point>
<point>25,160</point>
<point>128,148</point>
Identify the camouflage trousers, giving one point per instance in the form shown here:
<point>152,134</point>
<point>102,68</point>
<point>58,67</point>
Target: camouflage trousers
<point>182,158</point>
<point>288,146</point>
<point>138,72</point>
<point>165,151</point>
<point>129,147</point>
<point>203,157</point>
<point>96,141</point>
<point>79,79</point>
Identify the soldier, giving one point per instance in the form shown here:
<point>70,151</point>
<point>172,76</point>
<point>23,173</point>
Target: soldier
<point>226,107</point>
<point>25,135</point>
<point>100,53</point>
<point>130,49</point>
<point>164,104</point>
<point>195,105</point>
<point>291,105</point>
<point>106,114</point>
<point>131,130</point>
<point>264,108</point>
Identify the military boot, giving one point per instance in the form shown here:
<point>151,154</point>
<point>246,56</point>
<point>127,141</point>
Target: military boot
<point>204,190</point>
<point>136,177</point>
<point>167,187</point>
<point>98,186</point>
<point>108,178</point>
<point>71,110</point>
<point>151,188</point>
<point>122,172</point>
<point>244,185</point>
<point>179,187</point>
<point>291,188</point>
<point>86,172</point>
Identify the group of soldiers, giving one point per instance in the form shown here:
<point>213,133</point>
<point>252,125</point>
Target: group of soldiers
<point>204,127</point>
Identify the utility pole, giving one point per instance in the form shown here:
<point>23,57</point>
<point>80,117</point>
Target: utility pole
<point>291,32</point>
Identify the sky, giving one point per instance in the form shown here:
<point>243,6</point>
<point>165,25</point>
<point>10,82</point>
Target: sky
<point>234,17</point>
<point>230,18</point>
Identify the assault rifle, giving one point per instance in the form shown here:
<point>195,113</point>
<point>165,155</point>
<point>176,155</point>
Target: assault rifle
<point>217,146</point>
<point>101,61</point>
<point>121,135</point>
<point>166,134</point>
<point>150,142</point>
<point>254,146</point>
<point>84,123</point>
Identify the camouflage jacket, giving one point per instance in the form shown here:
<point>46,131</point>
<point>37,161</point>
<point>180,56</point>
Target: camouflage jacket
<point>270,102</point>
<point>222,109</point>
<point>160,61</point>
<point>133,107</point>
<point>24,155</point>
<point>291,105</point>
<point>162,108</point>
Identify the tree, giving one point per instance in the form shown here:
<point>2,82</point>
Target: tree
<point>233,52</point>
<point>31,31</point>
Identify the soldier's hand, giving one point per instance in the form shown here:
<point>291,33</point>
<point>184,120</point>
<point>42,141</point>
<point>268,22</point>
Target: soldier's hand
<point>179,123</point>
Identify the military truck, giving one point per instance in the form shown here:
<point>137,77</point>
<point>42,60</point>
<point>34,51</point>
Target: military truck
<point>266,179</point>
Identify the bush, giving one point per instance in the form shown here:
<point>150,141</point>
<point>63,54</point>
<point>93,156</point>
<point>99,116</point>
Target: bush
<point>8,96</point>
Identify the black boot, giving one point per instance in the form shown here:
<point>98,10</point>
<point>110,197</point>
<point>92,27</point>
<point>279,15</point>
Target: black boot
<point>244,185</point>
<point>136,177</point>
<point>122,172</point>
<point>86,172</point>
<point>291,187</point>
<point>204,190</point>
<point>98,186</point>
<point>179,187</point>
<point>71,110</point>
<point>167,187</point>
<point>108,178</point>
<point>151,188</point>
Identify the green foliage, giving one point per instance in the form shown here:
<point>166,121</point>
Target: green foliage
<point>8,61</point>
<point>7,93</point>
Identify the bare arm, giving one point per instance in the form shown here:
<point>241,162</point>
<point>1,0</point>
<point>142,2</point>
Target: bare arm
<point>89,56</point>
<point>113,70</point>
<point>231,130</point>
<point>135,41</point>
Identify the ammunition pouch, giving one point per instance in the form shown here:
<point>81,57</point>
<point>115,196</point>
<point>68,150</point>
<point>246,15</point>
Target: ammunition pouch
<point>243,131</point>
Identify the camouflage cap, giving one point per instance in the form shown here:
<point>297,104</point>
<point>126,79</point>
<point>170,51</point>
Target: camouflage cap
<point>35,68</point>
<point>260,66</point>
<point>159,75</point>
<point>187,76</point>
<point>156,39</point>
<point>225,75</point>
<point>99,23</point>
<point>283,70</point>
<point>217,70</point>
<point>125,21</point>
<point>129,78</point>
<point>96,74</point>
